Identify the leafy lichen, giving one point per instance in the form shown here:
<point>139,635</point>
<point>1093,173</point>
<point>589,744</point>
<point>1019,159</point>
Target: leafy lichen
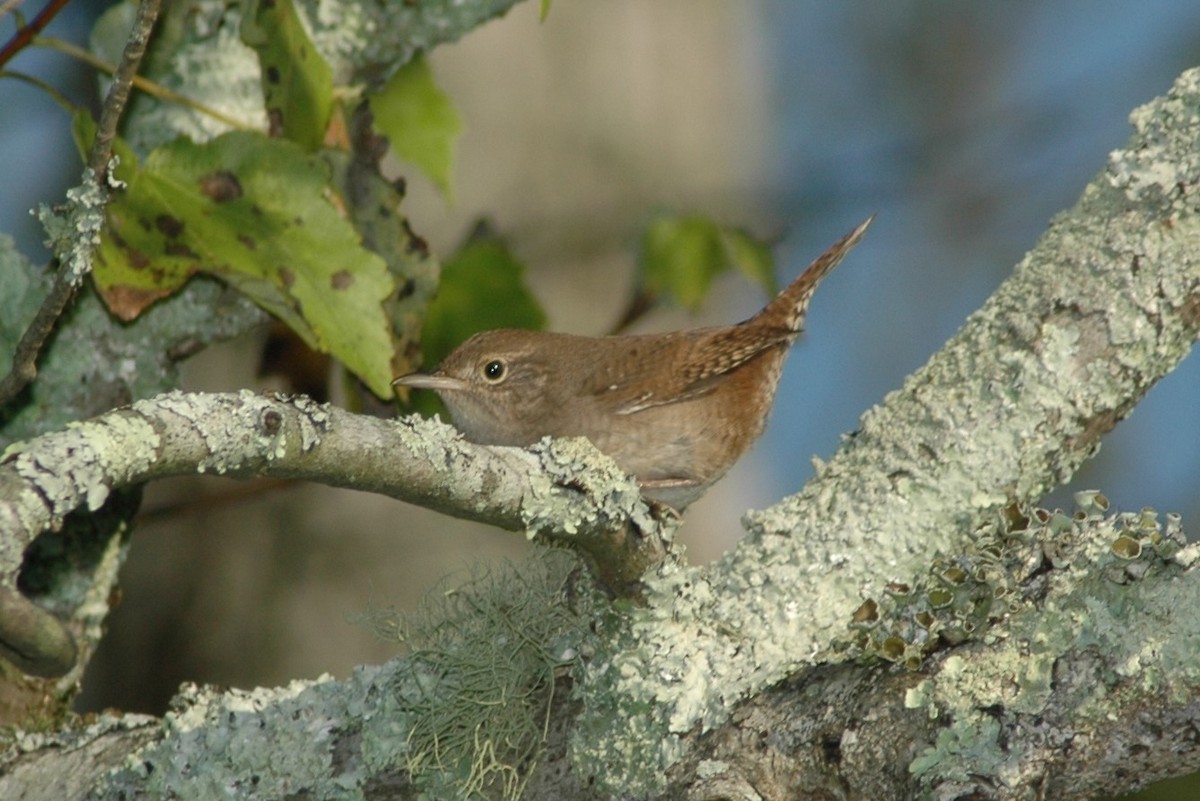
<point>1088,593</point>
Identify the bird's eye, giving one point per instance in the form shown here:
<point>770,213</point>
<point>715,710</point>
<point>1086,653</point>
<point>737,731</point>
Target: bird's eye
<point>494,370</point>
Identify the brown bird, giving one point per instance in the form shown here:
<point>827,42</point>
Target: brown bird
<point>675,410</point>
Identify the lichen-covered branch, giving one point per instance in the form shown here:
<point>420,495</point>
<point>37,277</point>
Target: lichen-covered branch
<point>564,489</point>
<point>1105,305</point>
<point>92,362</point>
<point>76,235</point>
<point>1086,683</point>
<point>1075,678</point>
<point>246,435</point>
<point>1051,649</point>
<point>470,705</point>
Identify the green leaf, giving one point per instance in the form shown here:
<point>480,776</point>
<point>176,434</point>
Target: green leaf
<point>24,288</point>
<point>751,257</point>
<point>545,11</point>
<point>681,255</point>
<point>297,83</point>
<point>482,287</point>
<point>254,212</point>
<point>377,215</point>
<point>419,121</point>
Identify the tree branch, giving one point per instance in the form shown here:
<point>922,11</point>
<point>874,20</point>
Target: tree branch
<point>244,435</point>
<point>25,33</point>
<point>1086,683</point>
<point>566,489</point>
<point>76,241</point>
<point>1105,305</point>
<point>118,90</point>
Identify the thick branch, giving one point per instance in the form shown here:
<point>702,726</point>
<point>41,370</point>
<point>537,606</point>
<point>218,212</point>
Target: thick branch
<point>564,489</point>
<point>244,435</point>
<point>1106,304</point>
<point>1080,688</point>
<point>1085,684</point>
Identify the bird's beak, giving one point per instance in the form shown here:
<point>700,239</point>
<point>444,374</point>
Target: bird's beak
<point>425,381</point>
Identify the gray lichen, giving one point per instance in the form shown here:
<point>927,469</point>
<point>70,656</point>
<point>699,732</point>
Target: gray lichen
<point>228,446</point>
<point>1007,410</point>
<point>73,230</point>
<point>465,713</point>
<point>77,466</point>
<point>1094,597</point>
<point>612,495</point>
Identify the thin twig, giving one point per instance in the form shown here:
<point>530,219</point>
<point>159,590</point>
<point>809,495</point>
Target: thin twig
<point>66,283</point>
<point>50,89</point>
<point>9,6</point>
<point>25,33</point>
<point>118,92</point>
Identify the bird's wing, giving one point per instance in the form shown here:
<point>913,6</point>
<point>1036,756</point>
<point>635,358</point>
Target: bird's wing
<point>642,373</point>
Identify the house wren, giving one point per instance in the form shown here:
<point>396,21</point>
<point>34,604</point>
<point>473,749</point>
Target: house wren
<point>675,410</point>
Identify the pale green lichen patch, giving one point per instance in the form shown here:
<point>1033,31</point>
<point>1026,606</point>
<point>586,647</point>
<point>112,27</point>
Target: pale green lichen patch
<point>73,231</point>
<point>77,466</point>
<point>577,464</point>
<point>256,743</point>
<point>379,38</point>
<point>431,440</point>
<point>1080,597</point>
<point>1152,163</point>
<point>684,673</point>
<point>230,444</point>
<point>955,600</point>
<point>1189,556</point>
<point>963,750</point>
<point>476,478</point>
<point>210,64</point>
<point>314,421</point>
<point>31,742</point>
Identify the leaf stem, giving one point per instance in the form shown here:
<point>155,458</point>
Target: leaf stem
<point>49,89</point>
<point>27,33</point>
<point>143,84</point>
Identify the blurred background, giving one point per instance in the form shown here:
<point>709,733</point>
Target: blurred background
<point>964,127</point>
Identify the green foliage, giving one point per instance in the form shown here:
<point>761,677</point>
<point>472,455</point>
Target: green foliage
<point>681,255</point>
<point>297,83</point>
<point>317,240</point>
<point>254,212</point>
<point>482,669</point>
<point>24,288</point>
<point>482,288</point>
<point>419,121</point>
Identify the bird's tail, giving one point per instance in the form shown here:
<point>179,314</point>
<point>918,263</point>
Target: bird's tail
<point>787,310</point>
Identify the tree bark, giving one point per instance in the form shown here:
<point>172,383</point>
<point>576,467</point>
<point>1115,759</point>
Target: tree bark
<point>906,625</point>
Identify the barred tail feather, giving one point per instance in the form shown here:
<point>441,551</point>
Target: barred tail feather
<point>787,309</point>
